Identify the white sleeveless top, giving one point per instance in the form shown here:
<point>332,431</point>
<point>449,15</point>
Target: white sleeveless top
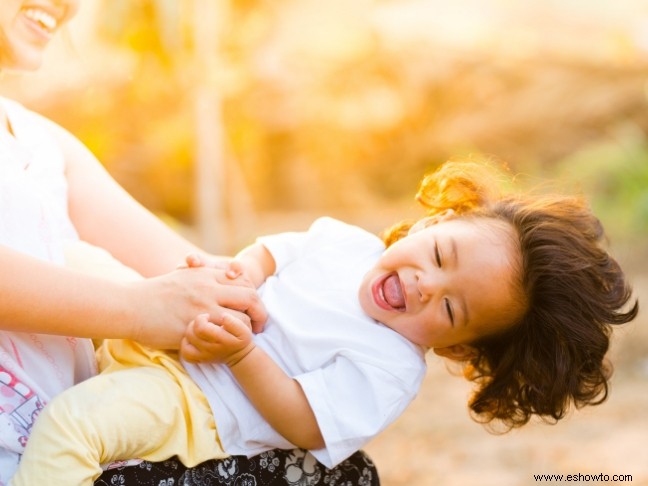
<point>33,220</point>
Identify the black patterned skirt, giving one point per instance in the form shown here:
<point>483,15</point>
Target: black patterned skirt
<point>276,467</point>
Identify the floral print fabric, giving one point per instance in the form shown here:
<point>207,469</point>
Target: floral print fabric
<point>275,467</point>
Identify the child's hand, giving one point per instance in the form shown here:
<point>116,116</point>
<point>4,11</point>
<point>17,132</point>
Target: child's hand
<point>228,341</point>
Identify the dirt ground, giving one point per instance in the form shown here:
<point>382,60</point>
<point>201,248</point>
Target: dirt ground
<point>436,443</point>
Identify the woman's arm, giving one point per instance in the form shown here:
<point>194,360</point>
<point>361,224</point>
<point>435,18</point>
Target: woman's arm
<point>40,297</point>
<point>37,296</point>
<point>105,215</point>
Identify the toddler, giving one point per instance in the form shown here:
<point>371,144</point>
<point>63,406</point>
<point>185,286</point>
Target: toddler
<point>517,287</point>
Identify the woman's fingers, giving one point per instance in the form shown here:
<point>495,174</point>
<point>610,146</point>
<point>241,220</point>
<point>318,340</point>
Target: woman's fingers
<point>194,260</point>
<point>246,301</point>
<point>234,270</point>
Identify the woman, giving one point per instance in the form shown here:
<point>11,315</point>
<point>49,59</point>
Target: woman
<point>52,188</point>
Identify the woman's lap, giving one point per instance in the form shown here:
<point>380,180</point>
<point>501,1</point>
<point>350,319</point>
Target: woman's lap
<point>275,467</point>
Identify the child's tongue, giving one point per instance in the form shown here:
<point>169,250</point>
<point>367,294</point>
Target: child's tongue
<point>393,292</point>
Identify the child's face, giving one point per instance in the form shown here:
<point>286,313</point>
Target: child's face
<point>447,283</point>
<point>26,27</point>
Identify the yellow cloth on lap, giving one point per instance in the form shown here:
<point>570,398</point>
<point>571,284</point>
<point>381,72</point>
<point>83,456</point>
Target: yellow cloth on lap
<point>195,442</point>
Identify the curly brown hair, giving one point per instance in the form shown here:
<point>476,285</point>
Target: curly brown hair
<point>555,354</point>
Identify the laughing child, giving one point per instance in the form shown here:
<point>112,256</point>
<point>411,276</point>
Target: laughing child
<point>517,287</point>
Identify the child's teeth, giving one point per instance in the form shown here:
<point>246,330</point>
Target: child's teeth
<point>43,18</point>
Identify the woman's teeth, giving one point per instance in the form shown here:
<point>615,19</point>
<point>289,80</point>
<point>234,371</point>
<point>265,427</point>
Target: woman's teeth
<point>45,20</point>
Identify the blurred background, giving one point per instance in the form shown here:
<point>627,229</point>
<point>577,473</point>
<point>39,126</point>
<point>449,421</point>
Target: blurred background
<point>236,118</point>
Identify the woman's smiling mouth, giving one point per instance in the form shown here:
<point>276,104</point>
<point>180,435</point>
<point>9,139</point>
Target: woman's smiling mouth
<point>41,21</point>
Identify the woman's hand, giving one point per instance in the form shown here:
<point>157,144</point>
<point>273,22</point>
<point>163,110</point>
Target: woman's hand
<point>175,299</point>
<point>251,266</point>
<point>227,340</point>
<point>235,270</point>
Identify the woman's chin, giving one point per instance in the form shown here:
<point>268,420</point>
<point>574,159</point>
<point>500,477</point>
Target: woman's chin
<point>22,59</point>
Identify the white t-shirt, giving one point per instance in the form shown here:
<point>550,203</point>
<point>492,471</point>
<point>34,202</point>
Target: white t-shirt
<point>33,220</point>
<point>358,374</point>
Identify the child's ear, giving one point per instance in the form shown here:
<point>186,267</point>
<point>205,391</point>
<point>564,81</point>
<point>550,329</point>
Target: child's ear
<point>457,352</point>
<point>430,220</point>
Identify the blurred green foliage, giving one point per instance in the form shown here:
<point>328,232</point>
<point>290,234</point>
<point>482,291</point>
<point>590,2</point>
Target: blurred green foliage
<point>615,176</point>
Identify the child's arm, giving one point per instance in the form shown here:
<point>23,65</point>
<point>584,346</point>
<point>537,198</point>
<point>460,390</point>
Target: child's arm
<point>256,263</point>
<point>276,396</point>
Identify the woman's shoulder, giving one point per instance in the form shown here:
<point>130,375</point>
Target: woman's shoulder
<point>34,134</point>
<point>30,129</point>
<point>9,103</point>
<point>14,108</point>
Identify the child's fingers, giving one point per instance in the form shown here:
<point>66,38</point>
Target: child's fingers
<point>203,329</point>
<point>235,326</point>
<point>206,334</point>
<point>217,344</point>
<point>189,352</point>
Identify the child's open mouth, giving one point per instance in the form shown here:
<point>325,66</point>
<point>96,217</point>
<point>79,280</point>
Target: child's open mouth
<point>388,293</point>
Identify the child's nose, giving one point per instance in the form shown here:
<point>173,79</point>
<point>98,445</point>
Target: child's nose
<point>426,285</point>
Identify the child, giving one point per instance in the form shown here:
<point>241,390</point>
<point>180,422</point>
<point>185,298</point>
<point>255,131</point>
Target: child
<point>517,287</point>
